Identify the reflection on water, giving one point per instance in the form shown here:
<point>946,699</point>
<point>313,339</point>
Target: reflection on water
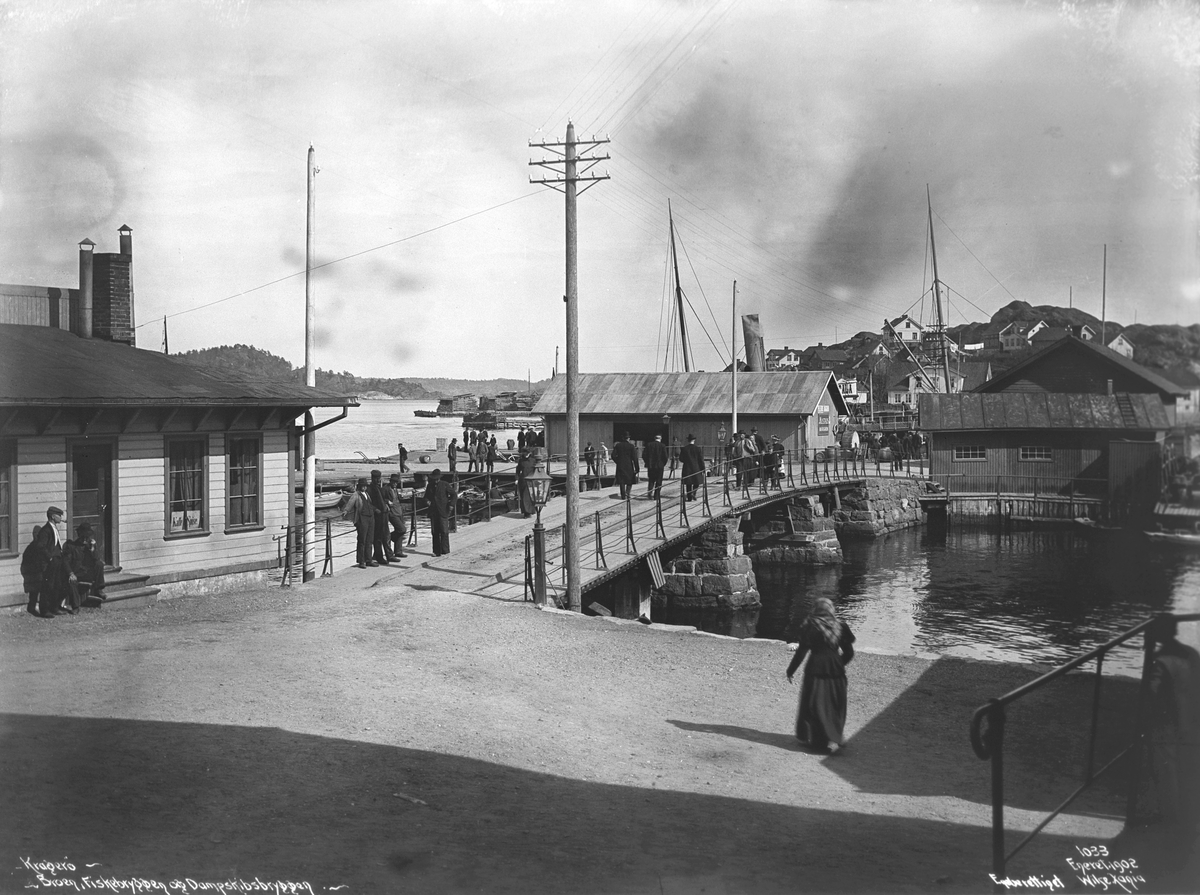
<point>1041,596</point>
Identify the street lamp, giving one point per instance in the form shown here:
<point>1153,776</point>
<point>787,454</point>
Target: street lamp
<point>538,483</point>
<point>721,433</point>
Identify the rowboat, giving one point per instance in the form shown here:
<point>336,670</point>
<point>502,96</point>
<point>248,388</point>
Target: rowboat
<point>324,500</point>
<point>1178,538</point>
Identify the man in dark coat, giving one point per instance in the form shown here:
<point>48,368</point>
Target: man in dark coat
<point>692,460</point>
<point>760,448</point>
<point>1175,735</point>
<point>381,544</point>
<point>394,494</point>
<point>655,456</point>
<point>360,511</point>
<point>402,456</point>
<point>82,559</point>
<point>440,497</point>
<point>48,580</point>
<point>625,459</point>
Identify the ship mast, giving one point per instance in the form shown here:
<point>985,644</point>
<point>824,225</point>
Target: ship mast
<point>687,354</point>
<point>937,300</point>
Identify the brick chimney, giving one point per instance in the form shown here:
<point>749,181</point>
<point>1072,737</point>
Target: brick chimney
<point>112,315</point>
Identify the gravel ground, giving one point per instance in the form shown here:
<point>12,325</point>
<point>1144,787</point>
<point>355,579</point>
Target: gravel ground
<point>383,732</point>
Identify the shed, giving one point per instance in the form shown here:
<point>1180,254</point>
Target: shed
<point>801,407</point>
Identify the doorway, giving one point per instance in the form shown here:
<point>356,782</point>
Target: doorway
<point>91,497</point>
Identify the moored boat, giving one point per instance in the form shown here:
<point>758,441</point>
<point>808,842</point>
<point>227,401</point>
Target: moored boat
<point>324,500</point>
<point>425,413</point>
<point>1178,538</point>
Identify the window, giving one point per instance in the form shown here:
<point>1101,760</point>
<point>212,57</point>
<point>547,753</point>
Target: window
<point>1035,452</point>
<point>187,477</point>
<point>244,488</point>
<point>970,452</point>
<point>8,460</point>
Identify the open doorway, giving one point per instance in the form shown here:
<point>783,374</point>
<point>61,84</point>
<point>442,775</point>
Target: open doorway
<point>90,498</point>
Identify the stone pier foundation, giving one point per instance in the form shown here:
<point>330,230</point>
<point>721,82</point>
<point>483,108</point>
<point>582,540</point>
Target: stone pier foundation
<point>712,574</point>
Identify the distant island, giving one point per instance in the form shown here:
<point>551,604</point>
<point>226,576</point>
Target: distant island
<point>242,361</point>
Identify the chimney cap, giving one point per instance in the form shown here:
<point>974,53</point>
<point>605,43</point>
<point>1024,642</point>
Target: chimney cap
<point>87,244</point>
<point>124,228</point>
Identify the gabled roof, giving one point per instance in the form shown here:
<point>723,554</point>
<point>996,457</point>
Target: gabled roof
<point>1097,352</point>
<point>1050,334</point>
<point>48,366</point>
<point>776,392</point>
<point>1040,410</point>
<point>902,318</point>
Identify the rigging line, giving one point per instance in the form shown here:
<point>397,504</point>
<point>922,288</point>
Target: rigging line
<point>633,94</point>
<point>620,126</point>
<point>973,255</point>
<point>588,73</point>
<point>968,301</point>
<point>346,258</point>
<point>703,328</point>
<point>728,226</point>
<point>679,237</point>
<point>662,304</point>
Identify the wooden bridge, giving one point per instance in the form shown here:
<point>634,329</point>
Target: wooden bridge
<point>625,533</point>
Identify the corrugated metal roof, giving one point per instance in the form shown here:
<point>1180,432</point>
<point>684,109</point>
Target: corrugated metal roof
<point>1038,410</point>
<point>41,365</point>
<point>783,392</point>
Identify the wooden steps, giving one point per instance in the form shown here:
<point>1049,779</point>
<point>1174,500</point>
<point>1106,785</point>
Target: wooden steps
<point>128,589</point>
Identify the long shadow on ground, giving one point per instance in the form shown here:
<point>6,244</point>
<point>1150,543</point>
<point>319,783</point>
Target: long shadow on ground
<point>172,801</point>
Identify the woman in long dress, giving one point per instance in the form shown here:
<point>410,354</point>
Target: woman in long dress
<point>829,644</point>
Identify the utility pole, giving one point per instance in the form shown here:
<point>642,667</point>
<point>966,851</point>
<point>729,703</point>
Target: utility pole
<point>166,345</point>
<point>572,174</point>
<point>1104,299</point>
<point>309,532</point>
<point>733,366</point>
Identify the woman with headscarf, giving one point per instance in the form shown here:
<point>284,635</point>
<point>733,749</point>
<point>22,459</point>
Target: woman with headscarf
<point>828,643</point>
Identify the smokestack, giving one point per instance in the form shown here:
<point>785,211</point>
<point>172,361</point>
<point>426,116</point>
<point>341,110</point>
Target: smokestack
<point>1109,388</point>
<point>755,355</point>
<point>112,299</point>
<point>126,236</point>
<point>83,319</point>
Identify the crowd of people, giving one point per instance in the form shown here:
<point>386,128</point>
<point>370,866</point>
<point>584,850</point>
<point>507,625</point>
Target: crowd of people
<point>60,575</point>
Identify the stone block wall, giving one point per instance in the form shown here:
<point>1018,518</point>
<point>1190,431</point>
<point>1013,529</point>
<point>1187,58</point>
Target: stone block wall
<point>809,538</point>
<point>712,574</point>
<point>880,506</point>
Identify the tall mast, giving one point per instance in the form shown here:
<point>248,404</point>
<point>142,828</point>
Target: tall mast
<point>937,299</point>
<point>687,359</point>
<point>733,366</point>
<point>1104,299</point>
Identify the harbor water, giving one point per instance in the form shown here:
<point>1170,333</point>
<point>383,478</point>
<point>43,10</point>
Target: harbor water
<point>1033,596</point>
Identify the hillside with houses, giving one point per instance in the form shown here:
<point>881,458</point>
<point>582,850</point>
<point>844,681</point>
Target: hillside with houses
<point>888,369</point>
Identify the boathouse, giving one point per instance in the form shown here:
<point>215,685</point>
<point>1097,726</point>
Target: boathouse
<point>803,408</point>
<point>187,477</point>
<point>1070,448</point>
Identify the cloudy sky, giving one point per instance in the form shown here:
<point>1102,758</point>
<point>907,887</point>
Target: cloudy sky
<point>794,140</point>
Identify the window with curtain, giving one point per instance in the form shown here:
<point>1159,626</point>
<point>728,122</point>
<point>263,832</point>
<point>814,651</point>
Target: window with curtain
<point>244,487</point>
<point>8,460</point>
<point>187,462</point>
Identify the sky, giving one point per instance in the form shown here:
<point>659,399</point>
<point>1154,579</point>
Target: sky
<point>794,140</point>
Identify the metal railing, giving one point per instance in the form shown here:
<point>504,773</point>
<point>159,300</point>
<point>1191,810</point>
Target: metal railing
<point>988,724</point>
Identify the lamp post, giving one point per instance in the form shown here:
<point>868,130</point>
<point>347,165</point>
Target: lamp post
<point>721,433</point>
<point>538,483</point>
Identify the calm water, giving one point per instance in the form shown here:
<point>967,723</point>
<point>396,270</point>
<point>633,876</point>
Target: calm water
<point>377,426</point>
<point>1042,596</point>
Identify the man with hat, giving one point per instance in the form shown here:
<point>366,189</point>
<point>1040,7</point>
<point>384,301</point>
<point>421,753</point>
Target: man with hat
<point>395,501</point>
<point>382,545</point>
<point>654,454</point>
<point>47,579</point>
<point>625,458</point>
<point>775,459</point>
<point>692,460</point>
<point>440,496</point>
<point>81,558</point>
<point>359,510</point>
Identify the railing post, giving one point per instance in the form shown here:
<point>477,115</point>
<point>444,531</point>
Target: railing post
<point>629,541</point>
<point>1139,728</point>
<point>488,490</point>
<point>658,520</point>
<point>995,744</point>
<point>704,486</point>
<point>601,562</point>
<point>1091,759</point>
<point>529,588</point>
<point>327,568</point>
<point>287,559</point>
<point>727,499</point>
<point>412,529</point>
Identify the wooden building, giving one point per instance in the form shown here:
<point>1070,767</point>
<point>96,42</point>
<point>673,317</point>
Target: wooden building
<point>1107,447</point>
<point>802,408</point>
<point>187,478</point>
<point>1072,365</point>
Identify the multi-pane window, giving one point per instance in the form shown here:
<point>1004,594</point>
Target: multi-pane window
<point>245,482</point>
<point>970,452</point>
<point>1035,452</point>
<point>7,462</point>
<point>187,462</point>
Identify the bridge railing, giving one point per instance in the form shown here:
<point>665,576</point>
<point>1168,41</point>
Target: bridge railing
<point>988,727</point>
